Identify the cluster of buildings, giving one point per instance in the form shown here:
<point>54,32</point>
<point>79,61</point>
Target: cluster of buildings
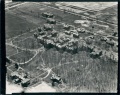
<point>68,40</point>
<point>49,37</point>
<point>21,78</point>
<point>109,41</point>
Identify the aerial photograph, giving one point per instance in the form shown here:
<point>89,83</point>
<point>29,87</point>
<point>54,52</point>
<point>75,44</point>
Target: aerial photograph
<point>61,47</point>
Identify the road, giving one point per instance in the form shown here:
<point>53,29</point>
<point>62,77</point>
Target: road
<point>7,8</point>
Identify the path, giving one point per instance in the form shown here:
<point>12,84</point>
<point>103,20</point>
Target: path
<point>7,8</point>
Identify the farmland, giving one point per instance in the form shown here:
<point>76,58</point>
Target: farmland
<point>79,71</point>
<point>10,50</point>
<point>18,27</point>
<point>28,43</point>
<point>22,56</point>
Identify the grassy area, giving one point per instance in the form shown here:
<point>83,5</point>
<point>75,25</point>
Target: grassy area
<point>22,56</point>
<point>34,66</point>
<point>34,11</point>
<point>51,57</point>
<point>30,12</point>
<point>16,25</point>
<point>24,36</point>
<point>10,50</point>
<point>29,43</point>
<point>93,74</point>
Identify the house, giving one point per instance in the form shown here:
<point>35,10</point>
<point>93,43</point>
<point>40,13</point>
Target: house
<point>39,29</point>
<point>99,26</point>
<point>54,33</point>
<point>75,35</point>
<point>47,14</point>
<point>96,52</point>
<point>51,21</point>
<point>91,47</point>
<point>35,35</point>
<point>91,37</point>
<point>66,27</point>
<point>67,32</point>
<point>81,30</point>
<point>42,33</point>
<point>84,23</point>
<point>47,27</point>
<point>110,42</point>
<point>56,79</point>
<point>25,82</point>
<point>104,39</point>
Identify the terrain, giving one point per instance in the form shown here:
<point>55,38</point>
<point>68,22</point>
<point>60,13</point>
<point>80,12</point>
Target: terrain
<point>79,72</point>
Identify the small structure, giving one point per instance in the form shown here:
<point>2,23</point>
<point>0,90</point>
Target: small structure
<point>51,21</point>
<point>91,47</point>
<point>25,82</point>
<point>82,22</point>
<point>54,33</point>
<point>66,27</point>
<point>17,66</point>
<point>110,42</point>
<point>96,52</point>
<point>67,32</point>
<point>8,61</point>
<point>75,33</point>
<point>91,37</point>
<point>56,79</point>
<point>48,27</point>
<point>39,29</point>
<point>81,30</point>
<point>47,15</point>
<point>104,39</point>
<point>115,34</point>
<point>19,77</point>
<point>35,35</point>
<point>99,26</point>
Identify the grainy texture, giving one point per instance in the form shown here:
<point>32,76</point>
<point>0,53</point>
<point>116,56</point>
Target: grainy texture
<point>75,50</point>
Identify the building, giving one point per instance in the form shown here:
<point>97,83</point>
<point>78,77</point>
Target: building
<point>54,33</point>
<point>47,15</point>
<point>20,78</point>
<point>96,52</point>
<point>84,23</point>
<point>75,34</point>
<point>25,82</point>
<point>81,30</point>
<point>48,27</point>
<point>67,32</point>
<point>51,21</point>
<point>66,27</point>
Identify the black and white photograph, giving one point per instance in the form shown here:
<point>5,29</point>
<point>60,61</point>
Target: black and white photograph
<point>59,47</point>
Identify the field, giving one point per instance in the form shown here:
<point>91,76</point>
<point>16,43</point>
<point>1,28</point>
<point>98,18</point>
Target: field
<point>10,50</point>
<point>34,67</point>
<point>79,72</point>
<point>29,43</point>
<point>18,27</point>
<point>93,74</point>
<point>22,56</point>
<point>23,36</point>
